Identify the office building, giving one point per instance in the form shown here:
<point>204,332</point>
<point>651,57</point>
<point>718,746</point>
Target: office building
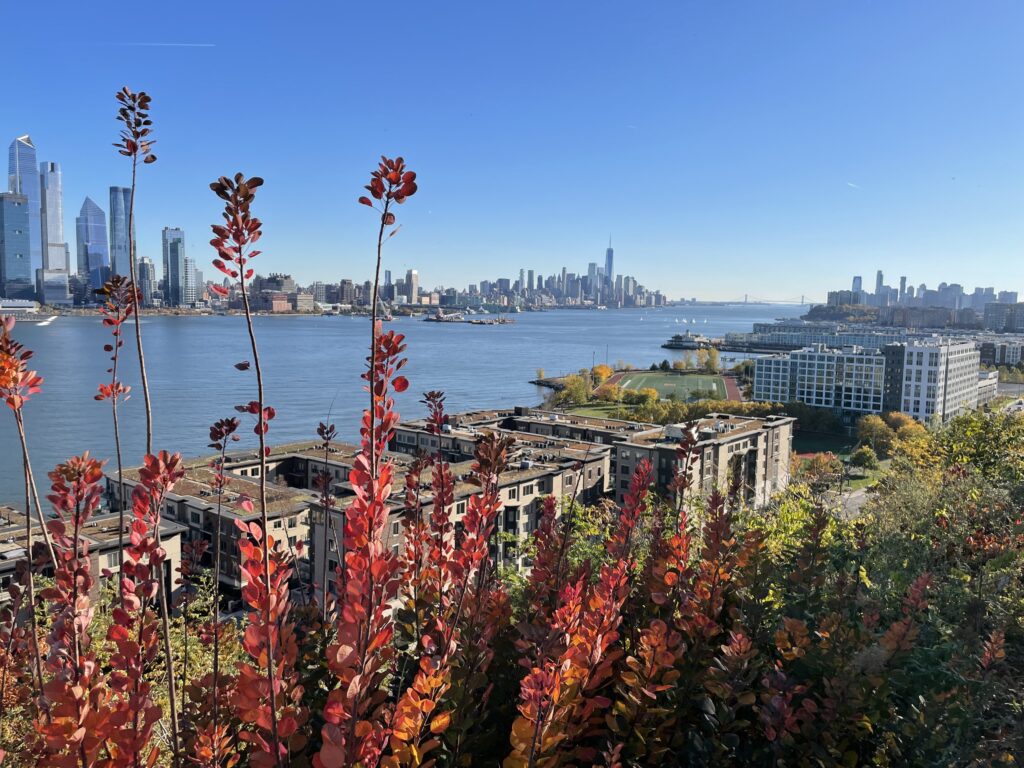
<point>91,235</point>
<point>15,248</point>
<point>120,248</point>
<point>23,179</point>
<point>52,279</point>
<point>609,262</point>
<point>55,247</point>
<point>174,267</point>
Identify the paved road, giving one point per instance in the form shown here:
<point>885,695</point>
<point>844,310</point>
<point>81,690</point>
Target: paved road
<point>853,501</point>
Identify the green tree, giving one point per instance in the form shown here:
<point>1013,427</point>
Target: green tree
<point>865,459</point>
<point>873,431</point>
<point>712,363</point>
<point>575,391</point>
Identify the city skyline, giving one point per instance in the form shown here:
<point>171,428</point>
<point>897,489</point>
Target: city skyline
<point>908,156</point>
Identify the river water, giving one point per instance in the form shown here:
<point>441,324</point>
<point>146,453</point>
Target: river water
<point>311,370</point>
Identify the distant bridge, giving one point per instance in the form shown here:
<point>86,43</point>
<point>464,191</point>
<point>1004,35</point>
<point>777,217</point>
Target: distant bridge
<point>800,300</point>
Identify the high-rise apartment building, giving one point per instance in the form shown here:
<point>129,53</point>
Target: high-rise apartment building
<point>412,286</point>
<point>927,378</point>
<point>120,249</point>
<point>174,266</point>
<point>189,283</point>
<point>15,256</point>
<point>23,179</point>
<point>91,236</point>
<point>146,276</point>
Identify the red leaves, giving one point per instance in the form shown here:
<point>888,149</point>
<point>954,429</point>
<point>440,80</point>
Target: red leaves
<point>135,137</point>
<point>17,382</point>
<point>240,231</point>
<point>390,183</point>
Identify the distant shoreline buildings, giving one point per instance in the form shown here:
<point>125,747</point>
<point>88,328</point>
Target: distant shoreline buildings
<point>35,263</point>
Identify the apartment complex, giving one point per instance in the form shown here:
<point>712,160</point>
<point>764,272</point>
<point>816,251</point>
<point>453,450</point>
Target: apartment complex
<point>101,534</point>
<point>926,378</point>
<point>747,453</point>
<point>551,454</point>
<point>193,507</point>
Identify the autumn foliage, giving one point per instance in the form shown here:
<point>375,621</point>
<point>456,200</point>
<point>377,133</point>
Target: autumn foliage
<point>693,631</point>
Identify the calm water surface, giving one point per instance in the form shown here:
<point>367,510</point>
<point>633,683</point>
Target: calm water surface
<point>311,367</point>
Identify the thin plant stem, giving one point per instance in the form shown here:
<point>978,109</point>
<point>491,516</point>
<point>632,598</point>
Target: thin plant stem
<point>135,311</point>
<point>37,671</point>
<point>30,483</point>
<point>168,654</point>
<point>373,342</point>
<point>216,602</point>
<point>263,521</point>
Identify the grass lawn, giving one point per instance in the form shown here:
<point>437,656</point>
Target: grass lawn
<point>857,482</point>
<point>681,385</point>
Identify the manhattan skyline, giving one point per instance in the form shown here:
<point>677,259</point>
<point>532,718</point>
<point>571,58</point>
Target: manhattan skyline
<point>696,138</point>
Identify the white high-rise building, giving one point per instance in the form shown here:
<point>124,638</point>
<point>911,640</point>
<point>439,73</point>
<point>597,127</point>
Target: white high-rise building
<point>189,283</point>
<point>940,378</point>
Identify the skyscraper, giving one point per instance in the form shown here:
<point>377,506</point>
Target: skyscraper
<point>189,289</point>
<point>15,261</point>
<point>879,283</point>
<point>412,285</point>
<point>51,217</point>
<point>120,252</point>
<point>23,179</point>
<point>903,290</point>
<point>609,262</point>
<point>857,283</point>
<point>147,280</point>
<point>52,280</point>
<point>91,235</point>
<point>174,266</point>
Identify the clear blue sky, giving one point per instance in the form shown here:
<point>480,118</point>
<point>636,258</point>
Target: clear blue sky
<point>770,148</point>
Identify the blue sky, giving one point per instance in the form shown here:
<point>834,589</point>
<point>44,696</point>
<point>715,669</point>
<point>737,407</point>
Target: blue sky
<point>727,147</point>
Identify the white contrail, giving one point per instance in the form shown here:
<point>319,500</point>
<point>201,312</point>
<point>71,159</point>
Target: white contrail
<point>851,184</point>
<point>166,45</point>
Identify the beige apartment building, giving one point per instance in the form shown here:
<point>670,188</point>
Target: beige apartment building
<point>193,506</point>
<point>101,533</point>
<point>749,452</point>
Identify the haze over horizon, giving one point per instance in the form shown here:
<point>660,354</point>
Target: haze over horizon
<point>718,160</point>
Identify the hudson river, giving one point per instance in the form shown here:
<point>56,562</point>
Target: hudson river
<point>311,367</point>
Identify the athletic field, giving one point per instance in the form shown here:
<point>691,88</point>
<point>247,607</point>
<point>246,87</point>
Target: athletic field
<point>682,385</point>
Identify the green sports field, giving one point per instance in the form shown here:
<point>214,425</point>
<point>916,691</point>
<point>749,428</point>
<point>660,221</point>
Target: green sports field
<point>682,385</point>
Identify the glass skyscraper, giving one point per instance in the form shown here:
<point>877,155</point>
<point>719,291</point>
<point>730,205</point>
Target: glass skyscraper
<point>23,179</point>
<point>175,275</point>
<point>93,256</point>
<point>15,260</point>
<point>51,217</point>
<point>120,253</point>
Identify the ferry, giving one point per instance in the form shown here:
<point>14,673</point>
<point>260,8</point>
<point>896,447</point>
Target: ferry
<point>441,317</point>
<point>688,340</point>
